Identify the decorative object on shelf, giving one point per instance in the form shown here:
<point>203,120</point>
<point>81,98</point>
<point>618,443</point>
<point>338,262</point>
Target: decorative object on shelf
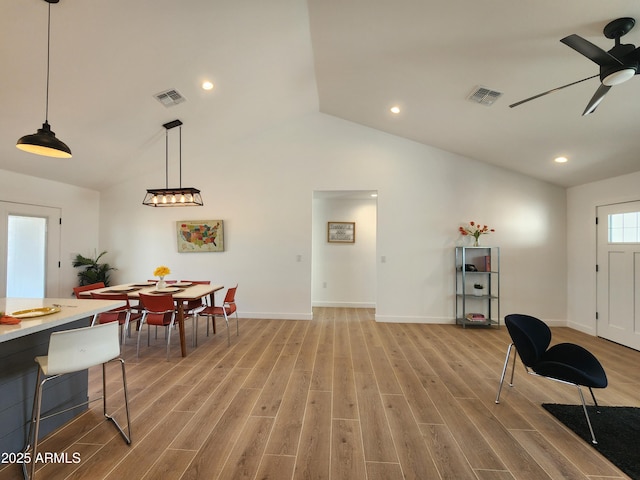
<point>476,317</point>
<point>44,141</point>
<point>475,230</point>
<point>478,289</point>
<point>94,271</point>
<point>173,197</point>
<point>341,232</point>
<point>161,272</point>
<point>200,236</point>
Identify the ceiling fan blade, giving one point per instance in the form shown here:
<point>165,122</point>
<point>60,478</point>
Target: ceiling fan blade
<point>589,50</point>
<point>634,55</point>
<point>550,91</point>
<point>596,99</point>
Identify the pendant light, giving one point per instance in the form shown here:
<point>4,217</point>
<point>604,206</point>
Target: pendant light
<point>44,141</point>
<point>172,197</point>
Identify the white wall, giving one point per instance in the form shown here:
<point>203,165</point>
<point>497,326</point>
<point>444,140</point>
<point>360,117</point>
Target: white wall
<point>344,274</point>
<point>80,222</point>
<point>582,202</point>
<point>262,188</point>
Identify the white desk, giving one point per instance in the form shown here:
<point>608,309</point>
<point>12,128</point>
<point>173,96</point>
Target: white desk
<point>19,345</point>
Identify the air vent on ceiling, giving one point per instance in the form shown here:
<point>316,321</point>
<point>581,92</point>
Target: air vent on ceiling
<point>484,96</point>
<point>170,97</point>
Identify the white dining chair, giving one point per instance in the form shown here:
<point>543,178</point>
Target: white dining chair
<point>73,351</point>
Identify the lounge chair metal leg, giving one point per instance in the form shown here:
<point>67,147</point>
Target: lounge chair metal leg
<point>595,402</point>
<point>586,414</point>
<point>504,371</point>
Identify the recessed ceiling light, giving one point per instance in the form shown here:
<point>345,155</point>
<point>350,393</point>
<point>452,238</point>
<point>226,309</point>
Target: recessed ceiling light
<point>395,109</point>
<point>560,160</point>
<point>207,85</point>
<point>374,195</point>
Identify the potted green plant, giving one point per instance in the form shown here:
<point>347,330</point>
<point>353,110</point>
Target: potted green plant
<point>478,289</point>
<point>93,271</point>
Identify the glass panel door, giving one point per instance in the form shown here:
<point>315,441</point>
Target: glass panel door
<point>26,256</point>
<point>29,250</point>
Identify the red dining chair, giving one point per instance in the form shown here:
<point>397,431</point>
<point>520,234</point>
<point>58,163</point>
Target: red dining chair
<point>160,311</point>
<point>85,288</point>
<point>123,315</point>
<point>194,307</point>
<point>227,308</point>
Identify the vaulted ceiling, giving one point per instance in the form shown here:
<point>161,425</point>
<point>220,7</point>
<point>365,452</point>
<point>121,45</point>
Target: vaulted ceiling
<point>354,59</point>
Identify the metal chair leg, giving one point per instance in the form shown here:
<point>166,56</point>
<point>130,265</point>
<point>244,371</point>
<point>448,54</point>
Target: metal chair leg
<point>595,402</point>
<point>504,371</point>
<point>29,468</point>
<point>226,319</point>
<point>140,325</point>
<point>586,414</point>
<point>127,438</point>
<point>194,328</point>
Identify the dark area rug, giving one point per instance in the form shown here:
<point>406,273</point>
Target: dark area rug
<point>617,431</point>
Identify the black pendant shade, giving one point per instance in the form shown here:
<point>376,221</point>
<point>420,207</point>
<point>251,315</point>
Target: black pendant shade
<point>44,141</point>
<point>172,197</point>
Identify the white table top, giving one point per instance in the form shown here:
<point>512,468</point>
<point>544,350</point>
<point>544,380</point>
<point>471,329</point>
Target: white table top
<point>71,309</point>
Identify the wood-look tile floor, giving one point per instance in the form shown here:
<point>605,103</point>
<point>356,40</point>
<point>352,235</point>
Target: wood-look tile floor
<point>339,397</point>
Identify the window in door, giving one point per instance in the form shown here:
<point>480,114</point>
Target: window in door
<point>624,227</point>
<point>26,256</point>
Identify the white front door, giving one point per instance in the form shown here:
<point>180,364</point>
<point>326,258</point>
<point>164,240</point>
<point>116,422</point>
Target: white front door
<point>618,277</point>
<point>30,248</point>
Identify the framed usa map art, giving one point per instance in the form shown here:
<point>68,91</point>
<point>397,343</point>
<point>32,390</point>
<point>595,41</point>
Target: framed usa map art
<point>200,236</point>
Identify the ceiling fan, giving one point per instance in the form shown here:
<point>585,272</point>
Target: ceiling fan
<point>616,66</point>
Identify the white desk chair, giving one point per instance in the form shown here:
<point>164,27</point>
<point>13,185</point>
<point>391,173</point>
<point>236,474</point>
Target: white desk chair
<point>73,351</point>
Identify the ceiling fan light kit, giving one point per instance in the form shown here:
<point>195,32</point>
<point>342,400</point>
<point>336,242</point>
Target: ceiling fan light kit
<point>44,141</point>
<point>172,197</point>
<point>617,65</point>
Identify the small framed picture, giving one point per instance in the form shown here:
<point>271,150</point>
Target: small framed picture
<point>341,232</point>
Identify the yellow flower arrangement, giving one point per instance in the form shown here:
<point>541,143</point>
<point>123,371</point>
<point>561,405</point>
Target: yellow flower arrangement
<point>161,271</point>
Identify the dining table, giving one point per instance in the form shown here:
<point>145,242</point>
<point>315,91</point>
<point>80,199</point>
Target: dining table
<point>182,292</point>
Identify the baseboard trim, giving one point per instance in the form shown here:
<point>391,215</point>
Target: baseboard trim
<point>344,304</point>
<point>394,319</point>
<point>581,328</point>
<point>276,316</point>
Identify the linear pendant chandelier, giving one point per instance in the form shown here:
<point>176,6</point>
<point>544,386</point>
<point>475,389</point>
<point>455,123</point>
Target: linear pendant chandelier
<point>44,141</point>
<point>172,197</point>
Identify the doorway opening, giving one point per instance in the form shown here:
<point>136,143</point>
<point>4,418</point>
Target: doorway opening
<point>343,273</point>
